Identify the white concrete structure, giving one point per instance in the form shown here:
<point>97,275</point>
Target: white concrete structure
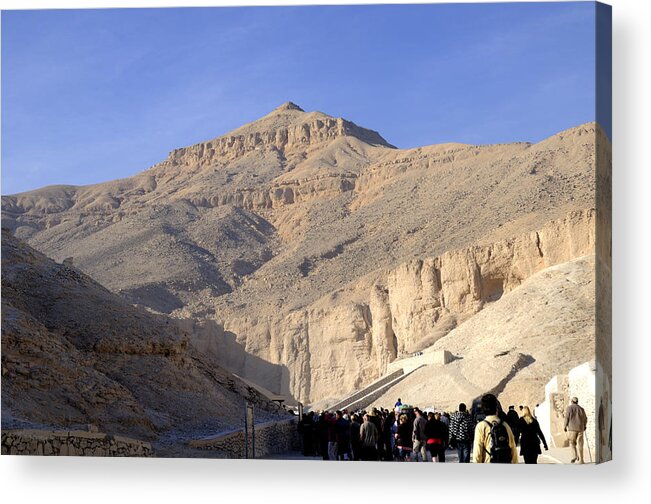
<point>582,382</point>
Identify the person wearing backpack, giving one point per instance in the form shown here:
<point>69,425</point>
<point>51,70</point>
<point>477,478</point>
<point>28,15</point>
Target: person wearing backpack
<point>494,441</point>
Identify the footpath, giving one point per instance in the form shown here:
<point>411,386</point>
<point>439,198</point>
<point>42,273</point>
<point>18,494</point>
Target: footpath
<point>561,456</point>
<point>551,456</point>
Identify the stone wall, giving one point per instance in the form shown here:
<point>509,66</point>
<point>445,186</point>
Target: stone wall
<point>80,443</point>
<point>428,357</point>
<point>582,382</point>
<point>271,437</point>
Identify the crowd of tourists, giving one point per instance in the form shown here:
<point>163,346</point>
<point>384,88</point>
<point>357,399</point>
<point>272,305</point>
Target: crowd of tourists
<point>408,434</point>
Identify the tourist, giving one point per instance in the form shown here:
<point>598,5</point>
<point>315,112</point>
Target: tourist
<point>342,435</point>
<point>305,427</point>
<point>513,419</point>
<point>494,441</point>
<point>404,438</point>
<point>368,436</point>
<point>331,419</point>
<point>436,433</point>
<point>530,437</point>
<point>374,417</point>
<point>394,431</point>
<point>461,432</point>
<point>576,423</point>
<point>387,434</point>
<point>316,440</point>
<point>355,442</point>
<point>419,452</point>
<point>322,431</point>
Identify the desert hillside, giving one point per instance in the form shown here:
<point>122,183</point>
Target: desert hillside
<point>75,354</point>
<point>512,347</point>
<point>307,253</point>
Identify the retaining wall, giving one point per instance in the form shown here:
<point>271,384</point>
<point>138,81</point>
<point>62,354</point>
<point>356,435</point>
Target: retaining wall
<point>271,437</point>
<point>80,443</point>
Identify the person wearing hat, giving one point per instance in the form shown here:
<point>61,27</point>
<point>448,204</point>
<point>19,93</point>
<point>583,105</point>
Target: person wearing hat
<point>576,423</point>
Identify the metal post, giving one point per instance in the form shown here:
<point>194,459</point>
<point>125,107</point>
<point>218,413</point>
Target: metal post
<point>246,431</point>
<point>251,420</point>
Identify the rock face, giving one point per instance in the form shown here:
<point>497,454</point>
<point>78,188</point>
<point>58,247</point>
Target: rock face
<point>338,344</point>
<point>75,354</point>
<point>513,346</point>
<point>306,253</point>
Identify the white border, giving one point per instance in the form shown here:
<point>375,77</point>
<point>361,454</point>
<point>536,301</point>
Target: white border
<point>32,479</point>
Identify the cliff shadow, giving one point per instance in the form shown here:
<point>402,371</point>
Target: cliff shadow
<point>208,336</point>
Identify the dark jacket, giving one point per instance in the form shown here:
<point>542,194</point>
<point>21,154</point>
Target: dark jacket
<point>435,429</point>
<point>342,431</point>
<point>513,419</point>
<point>530,436</point>
<point>404,435</point>
<point>354,433</point>
<point>462,428</point>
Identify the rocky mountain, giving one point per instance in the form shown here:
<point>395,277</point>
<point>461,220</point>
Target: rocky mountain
<point>75,354</point>
<point>306,253</point>
<point>513,346</point>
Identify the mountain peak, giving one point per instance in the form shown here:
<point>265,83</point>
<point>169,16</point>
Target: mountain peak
<point>288,106</point>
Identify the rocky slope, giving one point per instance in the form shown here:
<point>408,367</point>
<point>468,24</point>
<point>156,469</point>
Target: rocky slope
<point>513,346</point>
<point>75,354</point>
<point>306,253</point>
<point>347,338</point>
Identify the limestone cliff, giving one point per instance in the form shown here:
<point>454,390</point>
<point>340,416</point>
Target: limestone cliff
<point>74,354</point>
<point>343,341</point>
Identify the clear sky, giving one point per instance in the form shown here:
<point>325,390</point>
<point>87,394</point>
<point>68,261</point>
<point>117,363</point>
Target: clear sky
<point>94,95</point>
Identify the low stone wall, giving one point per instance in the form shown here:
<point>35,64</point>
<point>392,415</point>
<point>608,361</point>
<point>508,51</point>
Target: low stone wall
<point>80,443</point>
<point>271,437</point>
<point>408,364</point>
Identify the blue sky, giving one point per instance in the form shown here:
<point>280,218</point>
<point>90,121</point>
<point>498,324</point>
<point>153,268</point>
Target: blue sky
<point>94,95</point>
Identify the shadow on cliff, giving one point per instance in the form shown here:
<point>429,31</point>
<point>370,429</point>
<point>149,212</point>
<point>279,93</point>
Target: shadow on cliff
<point>208,336</point>
<point>523,360</point>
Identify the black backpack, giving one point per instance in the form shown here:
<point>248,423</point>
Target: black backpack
<point>500,449</point>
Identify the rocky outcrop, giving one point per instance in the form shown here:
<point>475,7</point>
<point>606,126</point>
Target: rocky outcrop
<point>279,194</point>
<point>75,354</point>
<point>513,346</point>
<point>426,297</point>
<point>338,345</point>
<point>284,139</point>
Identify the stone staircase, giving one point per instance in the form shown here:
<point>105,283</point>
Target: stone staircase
<point>365,397</point>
